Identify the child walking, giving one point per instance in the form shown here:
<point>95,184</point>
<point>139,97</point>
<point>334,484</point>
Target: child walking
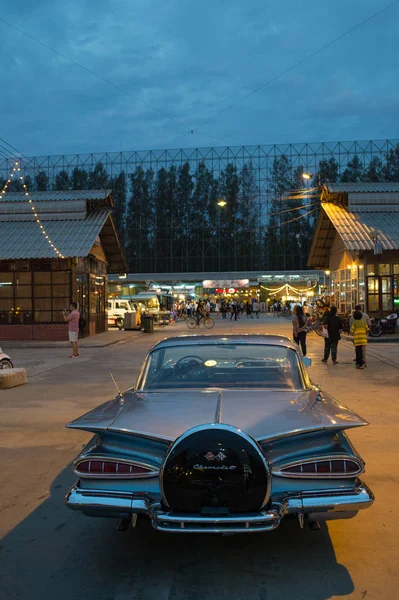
<point>359,330</point>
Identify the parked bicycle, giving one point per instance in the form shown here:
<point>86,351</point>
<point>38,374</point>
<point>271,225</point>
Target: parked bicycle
<point>193,322</point>
<point>315,324</point>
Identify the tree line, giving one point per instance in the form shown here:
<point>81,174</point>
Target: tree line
<point>170,220</point>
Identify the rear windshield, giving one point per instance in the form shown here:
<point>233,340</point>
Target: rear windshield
<point>222,365</point>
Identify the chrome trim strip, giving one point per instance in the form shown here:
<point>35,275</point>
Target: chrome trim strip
<point>223,427</point>
<point>245,518</point>
<point>277,471</point>
<point>104,458</point>
<point>245,523</point>
<point>218,414</point>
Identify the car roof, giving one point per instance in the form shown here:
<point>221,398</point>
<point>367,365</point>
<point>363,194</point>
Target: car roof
<point>248,338</point>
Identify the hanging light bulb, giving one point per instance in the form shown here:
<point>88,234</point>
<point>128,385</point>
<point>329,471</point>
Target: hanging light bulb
<point>43,231</point>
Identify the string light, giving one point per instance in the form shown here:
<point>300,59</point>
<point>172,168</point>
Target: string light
<point>287,286</point>
<point>43,230</point>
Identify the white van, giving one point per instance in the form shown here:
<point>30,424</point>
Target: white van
<point>117,309</point>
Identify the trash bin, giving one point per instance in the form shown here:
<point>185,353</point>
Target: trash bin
<point>130,320</point>
<point>148,323</point>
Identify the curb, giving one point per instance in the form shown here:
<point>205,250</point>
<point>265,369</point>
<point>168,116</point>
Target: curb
<point>25,345</point>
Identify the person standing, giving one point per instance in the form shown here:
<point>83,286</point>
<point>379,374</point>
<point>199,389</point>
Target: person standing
<point>234,311</point>
<point>299,323</point>
<point>73,328</point>
<point>359,331</point>
<point>248,308</point>
<point>367,320</point>
<point>255,308</point>
<point>333,324</point>
<point>365,316</point>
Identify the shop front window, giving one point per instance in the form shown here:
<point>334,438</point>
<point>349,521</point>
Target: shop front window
<point>361,286</point>
<point>384,269</point>
<point>386,292</point>
<point>380,294</point>
<point>373,303</point>
<point>38,296</point>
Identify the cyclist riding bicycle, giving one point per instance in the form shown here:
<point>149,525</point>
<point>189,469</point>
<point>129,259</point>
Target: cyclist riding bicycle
<point>201,311</point>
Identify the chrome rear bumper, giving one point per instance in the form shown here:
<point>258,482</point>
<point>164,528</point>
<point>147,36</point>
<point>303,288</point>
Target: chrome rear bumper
<point>334,504</point>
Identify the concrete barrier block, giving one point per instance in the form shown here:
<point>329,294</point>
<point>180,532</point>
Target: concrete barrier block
<point>10,378</point>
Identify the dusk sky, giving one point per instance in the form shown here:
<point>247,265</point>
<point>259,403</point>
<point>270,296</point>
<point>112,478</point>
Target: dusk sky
<point>190,60</point>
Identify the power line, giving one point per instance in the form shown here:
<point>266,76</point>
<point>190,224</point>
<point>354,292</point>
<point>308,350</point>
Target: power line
<point>280,212</point>
<point>297,218</point>
<point>104,79</point>
<point>297,64</point>
<point>12,147</point>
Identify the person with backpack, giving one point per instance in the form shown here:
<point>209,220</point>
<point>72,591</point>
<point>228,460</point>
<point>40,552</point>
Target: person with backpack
<point>73,328</point>
<point>334,326</point>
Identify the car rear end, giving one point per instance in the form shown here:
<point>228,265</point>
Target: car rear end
<point>215,479</point>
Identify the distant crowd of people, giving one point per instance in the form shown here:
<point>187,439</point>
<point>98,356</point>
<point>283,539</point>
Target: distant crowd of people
<point>234,308</point>
<point>303,318</point>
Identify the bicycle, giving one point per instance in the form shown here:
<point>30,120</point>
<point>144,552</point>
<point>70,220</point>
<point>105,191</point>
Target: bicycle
<point>315,324</point>
<point>193,322</point>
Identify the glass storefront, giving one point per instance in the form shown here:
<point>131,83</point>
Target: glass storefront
<point>347,288</point>
<point>34,297</point>
<point>382,288</point>
<point>40,295</point>
<point>379,282</point>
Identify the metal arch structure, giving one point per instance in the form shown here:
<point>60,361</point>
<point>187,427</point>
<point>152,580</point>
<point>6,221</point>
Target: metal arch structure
<point>306,155</point>
<point>198,255</point>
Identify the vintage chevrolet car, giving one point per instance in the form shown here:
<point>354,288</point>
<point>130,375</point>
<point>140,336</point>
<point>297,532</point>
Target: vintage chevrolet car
<point>222,434</point>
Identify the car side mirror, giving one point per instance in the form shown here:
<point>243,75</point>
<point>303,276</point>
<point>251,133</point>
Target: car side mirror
<point>307,361</point>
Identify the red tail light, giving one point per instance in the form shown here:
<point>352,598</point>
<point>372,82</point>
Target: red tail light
<point>104,469</point>
<point>336,467</point>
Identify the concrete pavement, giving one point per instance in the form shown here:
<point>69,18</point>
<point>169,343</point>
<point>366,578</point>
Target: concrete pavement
<point>49,552</point>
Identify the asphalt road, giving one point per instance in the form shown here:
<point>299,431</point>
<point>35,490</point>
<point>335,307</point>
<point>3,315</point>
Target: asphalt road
<point>50,553</point>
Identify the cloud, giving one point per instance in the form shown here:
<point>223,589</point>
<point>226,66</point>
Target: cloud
<point>190,60</point>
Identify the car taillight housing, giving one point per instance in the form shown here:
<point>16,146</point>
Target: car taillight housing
<point>335,467</point>
<point>100,468</point>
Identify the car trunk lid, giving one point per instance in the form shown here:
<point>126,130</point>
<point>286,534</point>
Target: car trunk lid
<point>263,414</point>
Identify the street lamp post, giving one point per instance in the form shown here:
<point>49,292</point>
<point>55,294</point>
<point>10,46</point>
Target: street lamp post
<point>222,204</point>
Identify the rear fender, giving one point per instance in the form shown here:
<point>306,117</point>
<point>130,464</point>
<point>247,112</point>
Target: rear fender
<point>308,445</point>
<point>125,446</point>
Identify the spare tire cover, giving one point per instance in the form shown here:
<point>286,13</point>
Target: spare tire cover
<point>215,467</point>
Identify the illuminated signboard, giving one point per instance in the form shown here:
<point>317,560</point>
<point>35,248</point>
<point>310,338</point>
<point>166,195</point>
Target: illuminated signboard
<point>225,283</point>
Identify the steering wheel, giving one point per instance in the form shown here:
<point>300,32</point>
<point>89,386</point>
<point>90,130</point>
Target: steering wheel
<point>187,364</point>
